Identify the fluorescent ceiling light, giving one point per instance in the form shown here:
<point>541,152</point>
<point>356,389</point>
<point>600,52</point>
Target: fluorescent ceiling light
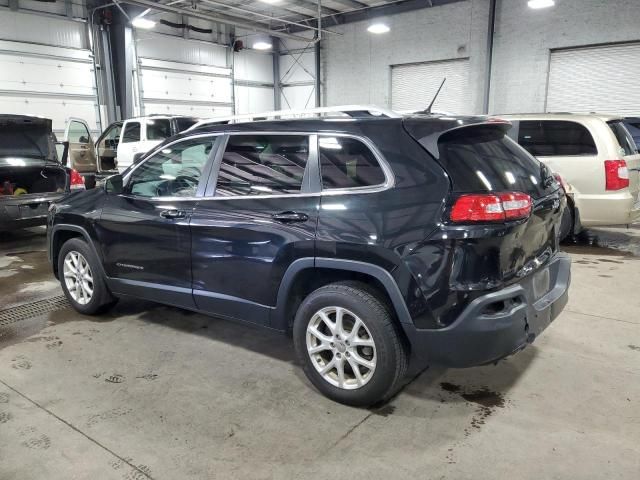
<point>261,45</point>
<point>378,28</point>
<point>143,23</point>
<point>535,4</point>
<point>271,1</point>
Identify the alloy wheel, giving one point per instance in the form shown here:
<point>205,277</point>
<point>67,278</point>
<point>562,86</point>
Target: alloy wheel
<point>78,277</point>
<point>341,348</point>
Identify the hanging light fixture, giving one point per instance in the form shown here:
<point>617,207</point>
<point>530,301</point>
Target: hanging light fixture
<point>537,4</point>
<point>262,42</point>
<point>378,28</point>
<point>143,23</point>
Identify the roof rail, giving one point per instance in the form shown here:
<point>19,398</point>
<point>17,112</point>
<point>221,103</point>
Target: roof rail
<point>354,111</point>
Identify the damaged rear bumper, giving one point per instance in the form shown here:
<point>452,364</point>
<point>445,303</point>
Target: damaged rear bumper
<point>497,324</point>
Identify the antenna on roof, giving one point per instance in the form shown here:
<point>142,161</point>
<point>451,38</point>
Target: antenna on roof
<point>435,97</point>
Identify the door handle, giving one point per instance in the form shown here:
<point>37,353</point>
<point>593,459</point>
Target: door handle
<point>290,217</point>
<point>173,214</point>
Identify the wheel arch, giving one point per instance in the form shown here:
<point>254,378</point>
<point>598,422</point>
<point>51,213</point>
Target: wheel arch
<point>60,234</point>
<point>307,274</point>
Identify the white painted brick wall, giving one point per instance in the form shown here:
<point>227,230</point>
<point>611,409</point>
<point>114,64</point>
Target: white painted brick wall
<point>357,65</point>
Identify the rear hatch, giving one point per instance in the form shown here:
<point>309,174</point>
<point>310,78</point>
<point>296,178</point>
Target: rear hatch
<point>480,160</point>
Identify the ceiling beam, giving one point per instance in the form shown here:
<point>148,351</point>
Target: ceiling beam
<point>264,18</point>
<point>226,19</point>
<point>365,14</point>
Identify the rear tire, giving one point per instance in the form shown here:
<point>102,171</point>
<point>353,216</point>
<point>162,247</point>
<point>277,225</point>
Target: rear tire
<point>81,278</point>
<point>369,363</point>
<point>566,224</point>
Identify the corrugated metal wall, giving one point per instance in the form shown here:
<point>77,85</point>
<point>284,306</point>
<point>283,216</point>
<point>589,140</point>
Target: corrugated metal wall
<point>46,69</point>
<point>414,86</point>
<point>182,77</point>
<point>597,79</point>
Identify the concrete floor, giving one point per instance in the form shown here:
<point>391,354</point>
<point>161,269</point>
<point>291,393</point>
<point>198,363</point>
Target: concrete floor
<point>153,392</point>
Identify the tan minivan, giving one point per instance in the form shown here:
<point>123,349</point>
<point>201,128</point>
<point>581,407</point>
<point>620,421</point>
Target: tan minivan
<point>595,155</point>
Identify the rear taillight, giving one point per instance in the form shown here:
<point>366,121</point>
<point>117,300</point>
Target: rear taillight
<point>77,182</point>
<point>616,174</point>
<point>492,207</point>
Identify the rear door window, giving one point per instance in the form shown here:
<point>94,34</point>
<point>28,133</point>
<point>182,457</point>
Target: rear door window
<point>131,132</point>
<point>484,159</point>
<point>158,129</point>
<point>185,122</point>
<point>348,163</point>
<point>263,165</point>
<point>624,138</point>
<point>548,138</point>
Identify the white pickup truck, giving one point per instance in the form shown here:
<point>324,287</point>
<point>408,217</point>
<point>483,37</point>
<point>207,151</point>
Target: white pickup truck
<point>123,142</point>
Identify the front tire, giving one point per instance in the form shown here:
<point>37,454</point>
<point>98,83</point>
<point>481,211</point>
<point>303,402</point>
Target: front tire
<point>349,345</point>
<point>81,278</point>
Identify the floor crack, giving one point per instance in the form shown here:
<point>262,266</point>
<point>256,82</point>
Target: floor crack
<point>76,429</point>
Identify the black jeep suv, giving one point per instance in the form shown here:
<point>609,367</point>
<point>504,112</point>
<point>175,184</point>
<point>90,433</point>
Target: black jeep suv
<point>376,241</point>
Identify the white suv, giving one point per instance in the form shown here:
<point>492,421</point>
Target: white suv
<point>595,155</point>
<point>123,142</point>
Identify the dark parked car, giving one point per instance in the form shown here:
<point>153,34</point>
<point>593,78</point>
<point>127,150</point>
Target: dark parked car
<point>375,241</point>
<point>31,175</point>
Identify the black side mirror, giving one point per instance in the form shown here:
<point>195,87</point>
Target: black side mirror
<point>113,184</point>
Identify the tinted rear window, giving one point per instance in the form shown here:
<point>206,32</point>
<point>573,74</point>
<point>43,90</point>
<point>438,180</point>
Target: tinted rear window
<point>24,140</point>
<point>158,129</point>
<point>633,125</point>
<point>544,138</point>
<point>624,138</point>
<point>484,159</point>
<point>348,163</point>
<point>183,123</point>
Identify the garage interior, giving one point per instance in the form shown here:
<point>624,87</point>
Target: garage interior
<point>147,391</point>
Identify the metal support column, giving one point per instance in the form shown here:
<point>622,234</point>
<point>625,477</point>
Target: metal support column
<point>318,83</point>
<point>277,84</point>
<point>489,62</point>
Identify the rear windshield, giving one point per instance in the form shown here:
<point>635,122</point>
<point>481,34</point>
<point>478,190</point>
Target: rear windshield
<point>548,138</point>
<point>24,140</point>
<point>633,125</point>
<point>484,159</point>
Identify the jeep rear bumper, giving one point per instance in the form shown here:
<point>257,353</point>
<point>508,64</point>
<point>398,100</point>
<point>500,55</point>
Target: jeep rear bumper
<point>497,324</point>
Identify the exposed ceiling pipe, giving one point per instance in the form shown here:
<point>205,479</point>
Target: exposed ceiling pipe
<point>228,20</point>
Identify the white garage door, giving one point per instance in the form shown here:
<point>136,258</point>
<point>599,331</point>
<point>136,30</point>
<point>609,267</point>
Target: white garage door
<point>414,85</point>
<point>598,79</point>
<point>46,70</point>
<point>182,77</point>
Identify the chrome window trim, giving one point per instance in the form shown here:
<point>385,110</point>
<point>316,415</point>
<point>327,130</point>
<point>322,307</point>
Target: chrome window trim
<point>313,154</point>
<point>388,183</point>
<point>386,168</point>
